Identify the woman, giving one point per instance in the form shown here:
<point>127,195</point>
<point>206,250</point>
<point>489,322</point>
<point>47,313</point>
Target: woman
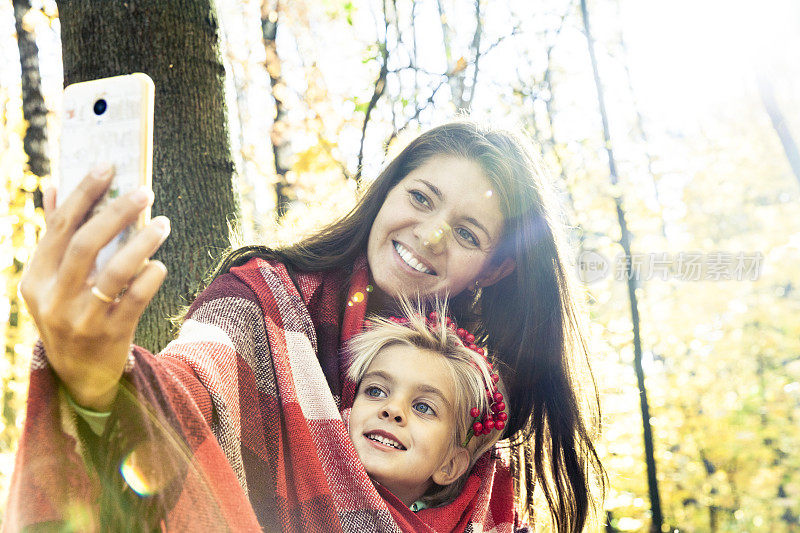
<point>463,211</point>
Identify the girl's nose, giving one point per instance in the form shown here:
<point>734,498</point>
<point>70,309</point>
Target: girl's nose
<point>391,411</point>
<point>434,238</point>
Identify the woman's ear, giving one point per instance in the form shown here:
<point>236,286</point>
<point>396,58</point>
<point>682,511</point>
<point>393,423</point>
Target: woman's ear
<point>453,467</point>
<point>496,274</point>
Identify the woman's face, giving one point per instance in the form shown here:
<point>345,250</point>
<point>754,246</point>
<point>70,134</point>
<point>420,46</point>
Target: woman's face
<point>436,231</point>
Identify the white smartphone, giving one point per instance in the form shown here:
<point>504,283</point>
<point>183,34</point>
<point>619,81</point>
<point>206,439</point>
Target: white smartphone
<point>109,121</point>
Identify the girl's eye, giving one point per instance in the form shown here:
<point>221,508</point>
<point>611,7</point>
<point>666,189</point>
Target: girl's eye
<point>424,408</point>
<point>467,236</point>
<point>374,392</point>
<point>419,198</point>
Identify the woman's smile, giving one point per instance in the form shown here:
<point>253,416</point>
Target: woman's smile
<point>413,260</point>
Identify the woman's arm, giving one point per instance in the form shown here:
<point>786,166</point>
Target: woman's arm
<point>86,338</point>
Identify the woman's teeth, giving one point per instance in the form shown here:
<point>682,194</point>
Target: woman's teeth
<point>386,441</point>
<point>409,259</point>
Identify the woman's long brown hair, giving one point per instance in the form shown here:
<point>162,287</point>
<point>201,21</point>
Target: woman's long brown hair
<point>529,318</point>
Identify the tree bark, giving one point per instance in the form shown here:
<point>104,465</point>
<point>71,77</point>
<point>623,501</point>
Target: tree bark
<point>625,240</point>
<point>177,44</point>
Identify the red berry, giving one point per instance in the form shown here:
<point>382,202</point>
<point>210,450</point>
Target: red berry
<point>461,332</point>
<point>500,407</point>
<point>499,424</point>
<point>480,351</point>
<point>470,338</point>
<point>502,417</point>
<point>474,413</point>
<point>433,315</point>
<point>473,347</point>
<point>498,396</point>
<point>489,424</point>
<point>496,407</point>
<point>495,378</point>
<point>486,431</point>
<point>477,428</point>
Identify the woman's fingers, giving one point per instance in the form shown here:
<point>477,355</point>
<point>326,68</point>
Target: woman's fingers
<point>139,293</point>
<point>128,263</point>
<point>62,222</point>
<point>49,201</point>
<point>89,239</point>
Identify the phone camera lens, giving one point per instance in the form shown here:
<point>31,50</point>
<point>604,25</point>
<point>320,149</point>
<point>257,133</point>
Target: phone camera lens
<point>100,107</point>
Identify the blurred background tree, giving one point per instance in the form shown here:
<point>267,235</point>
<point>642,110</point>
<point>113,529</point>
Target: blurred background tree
<point>322,93</point>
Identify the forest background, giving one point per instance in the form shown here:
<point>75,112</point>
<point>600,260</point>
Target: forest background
<point>667,129</point>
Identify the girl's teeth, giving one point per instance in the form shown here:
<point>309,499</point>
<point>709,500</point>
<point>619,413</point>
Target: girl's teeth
<point>384,440</point>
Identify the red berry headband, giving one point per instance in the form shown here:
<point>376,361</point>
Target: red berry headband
<point>495,417</point>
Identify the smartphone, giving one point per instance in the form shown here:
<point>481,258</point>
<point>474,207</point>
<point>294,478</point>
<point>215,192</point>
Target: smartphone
<point>109,121</point>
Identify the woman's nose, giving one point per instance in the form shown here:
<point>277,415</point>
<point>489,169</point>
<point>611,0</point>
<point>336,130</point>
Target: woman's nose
<point>434,236</point>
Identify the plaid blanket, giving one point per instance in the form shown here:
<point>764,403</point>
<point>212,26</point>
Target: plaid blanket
<point>236,425</point>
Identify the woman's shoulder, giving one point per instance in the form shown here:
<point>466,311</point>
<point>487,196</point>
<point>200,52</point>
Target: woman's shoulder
<point>227,289</point>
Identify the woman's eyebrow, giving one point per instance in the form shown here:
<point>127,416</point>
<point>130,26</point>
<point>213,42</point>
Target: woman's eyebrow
<point>434,189</point>
<point>479,226</point>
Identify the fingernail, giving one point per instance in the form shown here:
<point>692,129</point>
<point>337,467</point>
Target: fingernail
<point>102,171</point>
<point>161,223</point>
<point>142,196</point>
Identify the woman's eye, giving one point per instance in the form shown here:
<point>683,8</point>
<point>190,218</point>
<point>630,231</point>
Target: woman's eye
<point>374,392</point>
<point>424,408</point>
<point>419,198</point>
<point>467,236</point>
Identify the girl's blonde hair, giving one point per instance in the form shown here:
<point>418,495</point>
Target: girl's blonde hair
<point>468,369</point>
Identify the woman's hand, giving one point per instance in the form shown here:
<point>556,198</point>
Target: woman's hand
<point>86,329</point>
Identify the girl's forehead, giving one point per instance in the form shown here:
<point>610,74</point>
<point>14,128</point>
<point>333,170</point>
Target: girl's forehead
<point>410,366</point>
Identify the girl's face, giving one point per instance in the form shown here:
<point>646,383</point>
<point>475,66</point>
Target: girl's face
<point>436,231</point>
<point>403,422</point>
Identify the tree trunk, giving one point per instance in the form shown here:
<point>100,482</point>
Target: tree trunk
<point>281,148</point>
<point>33,108</point>
<point>625,241</point>
<point>177,44</point>
<point>35,147</point>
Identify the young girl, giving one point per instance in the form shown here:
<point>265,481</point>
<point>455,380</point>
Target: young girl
<point>252,388</point>
<point>418,433</point>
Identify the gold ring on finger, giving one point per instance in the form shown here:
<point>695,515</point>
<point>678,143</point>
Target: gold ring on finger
<point>103,297</point>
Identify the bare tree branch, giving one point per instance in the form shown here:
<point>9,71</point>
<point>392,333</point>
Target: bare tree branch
<point>380,87</point>
<point>779,123</point>
<point>476,47</point>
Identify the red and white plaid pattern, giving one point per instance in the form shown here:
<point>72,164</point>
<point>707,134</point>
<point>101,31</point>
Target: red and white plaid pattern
<point>257,365</point>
